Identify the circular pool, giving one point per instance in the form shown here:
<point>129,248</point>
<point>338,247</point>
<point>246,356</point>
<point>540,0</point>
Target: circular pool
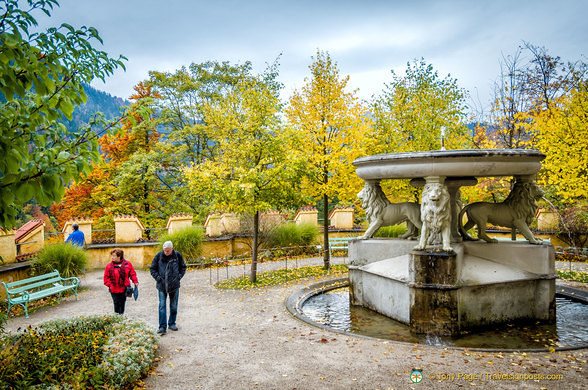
<point>326,305</point>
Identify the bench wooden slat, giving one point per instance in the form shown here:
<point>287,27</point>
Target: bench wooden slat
<point>33,279</point>
<point>32,286</point>
<point>40,294</point>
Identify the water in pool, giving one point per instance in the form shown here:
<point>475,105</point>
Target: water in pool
<point>333,310</point>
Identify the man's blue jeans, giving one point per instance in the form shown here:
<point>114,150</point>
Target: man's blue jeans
<point>173,307</point>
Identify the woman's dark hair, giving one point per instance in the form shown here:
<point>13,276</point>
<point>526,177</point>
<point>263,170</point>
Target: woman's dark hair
<point>119,253</point>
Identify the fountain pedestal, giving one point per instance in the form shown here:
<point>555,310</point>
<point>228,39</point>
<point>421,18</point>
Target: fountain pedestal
<point>445,293</point>
<point>433,287</point>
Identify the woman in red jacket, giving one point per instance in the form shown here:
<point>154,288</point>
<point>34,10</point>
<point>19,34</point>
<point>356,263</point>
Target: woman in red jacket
<point>116,278</point>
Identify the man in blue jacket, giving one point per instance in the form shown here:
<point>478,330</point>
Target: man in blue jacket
<point>77,236</point>
<point>168,268</point>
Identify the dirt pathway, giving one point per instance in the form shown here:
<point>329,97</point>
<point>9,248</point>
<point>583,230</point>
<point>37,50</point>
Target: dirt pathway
<point>247,340</point>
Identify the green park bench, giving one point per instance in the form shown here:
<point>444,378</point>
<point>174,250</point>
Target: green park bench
<point>24,291</point>
<point>339,243</point>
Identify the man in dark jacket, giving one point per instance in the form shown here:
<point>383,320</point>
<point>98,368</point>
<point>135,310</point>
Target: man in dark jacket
<point>167,268</point>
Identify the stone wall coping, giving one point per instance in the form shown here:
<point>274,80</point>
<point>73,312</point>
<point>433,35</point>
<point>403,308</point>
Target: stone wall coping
<point>178,217</point>
<point>13,266</point>
<point>28,229</point>
<point>79,221</point>
<point>340,209</point>
<point>306,210</point>
<point>129,218</point>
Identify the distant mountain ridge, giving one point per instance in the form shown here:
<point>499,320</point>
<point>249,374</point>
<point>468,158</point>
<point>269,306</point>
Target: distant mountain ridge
<point>98,101</point>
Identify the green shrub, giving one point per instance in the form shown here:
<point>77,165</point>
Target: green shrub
<point>292,235</point>
<point>308,233</point>
<point>391,231</point>
<point>70,260</point>
<point>84,352</point>
<point>187,241</point>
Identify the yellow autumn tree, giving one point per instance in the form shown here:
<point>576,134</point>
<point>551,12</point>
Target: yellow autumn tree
<point>562,134</point>
<point>328,128</point>
<point>249,170</point>
<point>538,104</point>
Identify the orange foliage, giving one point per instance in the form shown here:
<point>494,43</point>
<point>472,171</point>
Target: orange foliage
<point>144,91</point>
<point>35,211</point>
<point>81,200</point>
<point>91,197</point>
<point>115,147</point>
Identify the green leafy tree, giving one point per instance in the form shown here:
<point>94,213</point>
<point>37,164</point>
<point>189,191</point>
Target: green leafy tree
<point>186,136</point>
<point>138,170</point>
<point>250,171</point>
<point>412,113</point>
<point>413,109</point>
<point>328,128</point>
<point>41,80</point>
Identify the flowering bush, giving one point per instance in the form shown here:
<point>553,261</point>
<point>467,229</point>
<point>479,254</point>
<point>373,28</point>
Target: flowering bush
<point>129,352</point>
<point>78,353</point>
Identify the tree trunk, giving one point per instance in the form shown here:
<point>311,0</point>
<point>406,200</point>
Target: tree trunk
<point>146,206</point>
<point>253,275</point>
<point>327,257</point>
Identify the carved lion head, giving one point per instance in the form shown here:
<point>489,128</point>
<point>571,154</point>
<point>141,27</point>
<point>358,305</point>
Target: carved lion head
<point>435,203</point>
<point>522,199</point>
<point>372,199</point>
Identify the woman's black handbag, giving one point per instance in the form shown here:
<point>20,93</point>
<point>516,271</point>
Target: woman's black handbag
<point>129,291</point>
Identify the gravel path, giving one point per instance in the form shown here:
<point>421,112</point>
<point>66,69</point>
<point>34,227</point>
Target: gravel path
<point>247,340</point>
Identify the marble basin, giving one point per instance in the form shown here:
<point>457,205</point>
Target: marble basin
<point>450,163</point>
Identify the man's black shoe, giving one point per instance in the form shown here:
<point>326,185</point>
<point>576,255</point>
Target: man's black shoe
<point>162,331</point>
<point>173,327</point>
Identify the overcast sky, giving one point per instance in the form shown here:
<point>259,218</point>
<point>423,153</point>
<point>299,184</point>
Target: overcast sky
<point>366,38</point>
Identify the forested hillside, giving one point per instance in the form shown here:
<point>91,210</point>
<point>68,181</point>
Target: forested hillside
<point>98,101</point>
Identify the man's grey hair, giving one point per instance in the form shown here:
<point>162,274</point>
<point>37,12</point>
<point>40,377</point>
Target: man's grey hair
<point>75,226</point>
<point>168,244</point>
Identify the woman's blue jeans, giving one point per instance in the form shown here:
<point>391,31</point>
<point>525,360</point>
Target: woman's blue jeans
<point>173,307</point>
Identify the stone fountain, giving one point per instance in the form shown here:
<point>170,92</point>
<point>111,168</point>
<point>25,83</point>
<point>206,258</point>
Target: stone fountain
<point>445,283</point>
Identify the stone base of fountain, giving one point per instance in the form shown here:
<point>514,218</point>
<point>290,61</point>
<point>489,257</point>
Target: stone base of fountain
<point>445,293</point>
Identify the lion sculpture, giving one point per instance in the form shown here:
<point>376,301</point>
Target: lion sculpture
<point>517,211</point>
<point>379,211</point>
<point>436,216</point>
